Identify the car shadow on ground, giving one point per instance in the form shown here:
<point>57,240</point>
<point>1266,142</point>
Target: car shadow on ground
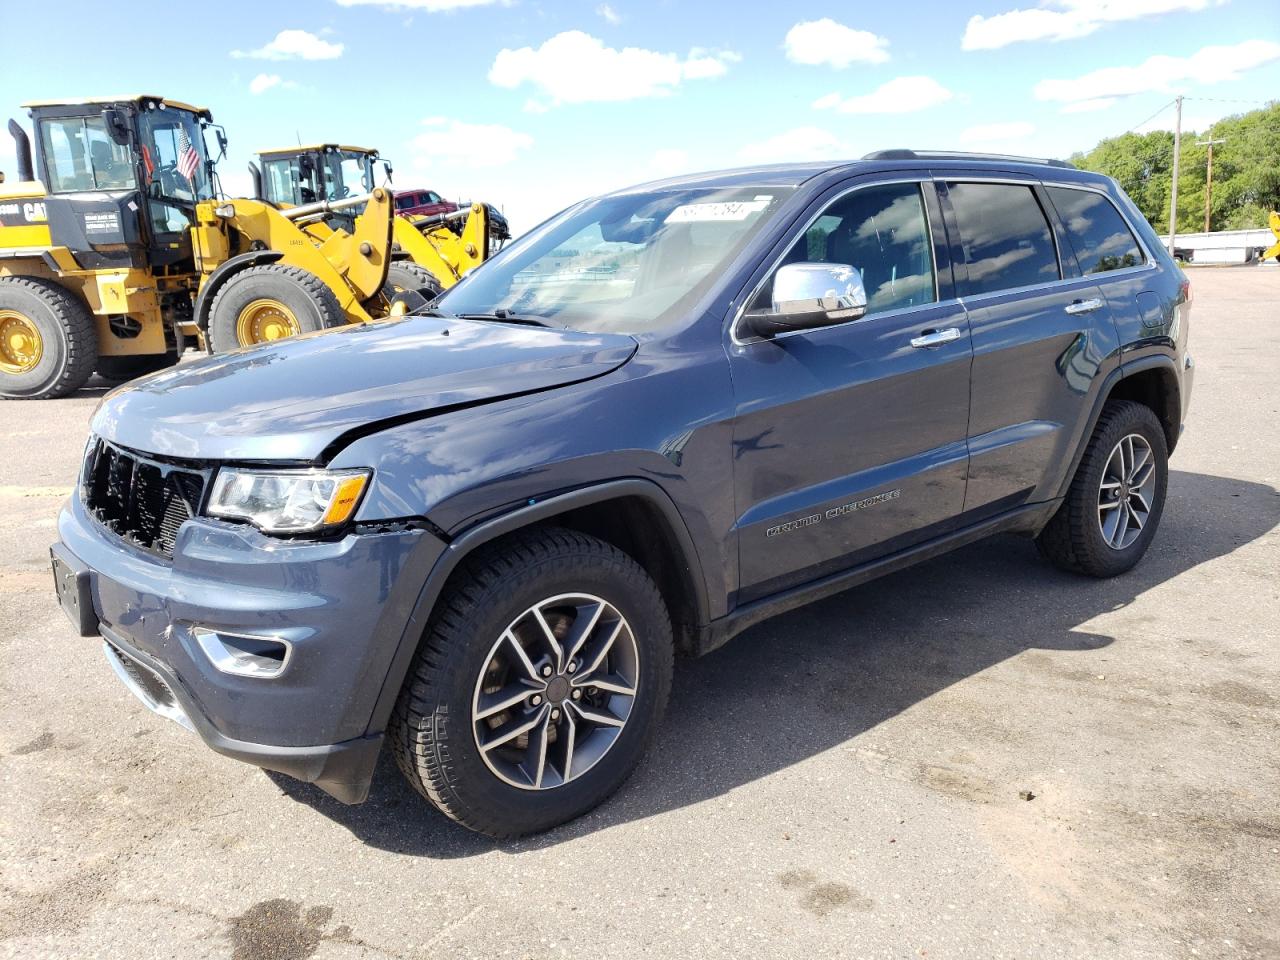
<point>821,676</point>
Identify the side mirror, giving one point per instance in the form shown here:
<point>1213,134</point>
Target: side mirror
<point>117,129</point>
<point>386,166</point>
<point>810,295</point>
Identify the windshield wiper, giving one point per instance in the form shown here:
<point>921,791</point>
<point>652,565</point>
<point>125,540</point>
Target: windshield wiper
<point>503,315</point>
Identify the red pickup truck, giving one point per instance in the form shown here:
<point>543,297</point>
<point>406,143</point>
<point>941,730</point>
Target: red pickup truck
<point>429,203</point>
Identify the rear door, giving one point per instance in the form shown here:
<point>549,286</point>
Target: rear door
<point>849,442</point>
<point>1040,335</point>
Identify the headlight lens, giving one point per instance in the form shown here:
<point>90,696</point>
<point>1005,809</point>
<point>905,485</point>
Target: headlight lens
<point>287,501</point>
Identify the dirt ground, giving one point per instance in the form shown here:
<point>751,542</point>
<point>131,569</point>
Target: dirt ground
<point>845,781</point>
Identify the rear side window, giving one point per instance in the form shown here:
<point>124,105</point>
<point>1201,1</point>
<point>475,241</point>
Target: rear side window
<point>1006,238</point>
<point>1098,234</point>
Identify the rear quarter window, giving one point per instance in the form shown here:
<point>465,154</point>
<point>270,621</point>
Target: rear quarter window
<point>1005,235</point>
<point>1098,234</point>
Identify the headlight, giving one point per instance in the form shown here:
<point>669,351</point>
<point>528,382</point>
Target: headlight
<point>287,501</point>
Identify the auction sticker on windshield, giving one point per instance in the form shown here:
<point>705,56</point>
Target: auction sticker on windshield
<point>722,210</point>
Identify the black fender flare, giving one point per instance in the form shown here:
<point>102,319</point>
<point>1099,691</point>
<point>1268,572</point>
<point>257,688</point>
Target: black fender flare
<point>1121,371</point>
<point>224,272</point>
<point>458,548</point>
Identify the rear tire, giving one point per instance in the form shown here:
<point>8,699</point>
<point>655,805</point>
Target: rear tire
<point>465,660</point>
<point>48,342</point>
<point>1118,488</point>
<point>268,303</point>
<point>405,275</point>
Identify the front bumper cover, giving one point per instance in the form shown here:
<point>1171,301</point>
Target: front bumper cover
<point>343,605</point>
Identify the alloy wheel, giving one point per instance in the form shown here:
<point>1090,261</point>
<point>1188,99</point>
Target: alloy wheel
<point>1125,493</point>
<point>555,691</point>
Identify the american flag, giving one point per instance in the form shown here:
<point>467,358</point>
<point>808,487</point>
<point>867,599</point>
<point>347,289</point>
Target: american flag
<point>188,159</point>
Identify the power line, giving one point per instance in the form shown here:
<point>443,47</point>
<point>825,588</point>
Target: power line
<point>1161,110</point>
<point>1230,100</point>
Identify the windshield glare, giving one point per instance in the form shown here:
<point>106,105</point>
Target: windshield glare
<point>623,264</point>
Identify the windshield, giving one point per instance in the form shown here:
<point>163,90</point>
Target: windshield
<point>349,174</point>
<point>175,167</point>
<point>623,264</point>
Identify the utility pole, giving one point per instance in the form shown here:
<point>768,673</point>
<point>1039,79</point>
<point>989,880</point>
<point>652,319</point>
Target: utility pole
<point>1208,177</point>
<point>1177,157</point>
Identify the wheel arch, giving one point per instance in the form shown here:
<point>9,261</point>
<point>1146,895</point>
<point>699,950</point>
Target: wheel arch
<point>606,510</point>
<point>1153,382</point>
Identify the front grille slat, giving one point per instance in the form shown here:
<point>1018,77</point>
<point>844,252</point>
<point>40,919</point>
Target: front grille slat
<point>141,500</point>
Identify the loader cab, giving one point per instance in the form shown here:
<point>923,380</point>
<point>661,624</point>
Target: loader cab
<point>122,178</point>
<point>328,171</point>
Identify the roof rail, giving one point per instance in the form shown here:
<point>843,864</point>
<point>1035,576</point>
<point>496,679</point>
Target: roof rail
<point>903,154</point>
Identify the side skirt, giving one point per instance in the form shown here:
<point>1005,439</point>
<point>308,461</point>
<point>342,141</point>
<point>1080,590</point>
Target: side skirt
<point>1028,519</point>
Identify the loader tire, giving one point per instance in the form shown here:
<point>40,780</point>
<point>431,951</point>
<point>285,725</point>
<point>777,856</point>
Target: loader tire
<point>268,303</point>
<point>405,275</point>
<point>48,343</point>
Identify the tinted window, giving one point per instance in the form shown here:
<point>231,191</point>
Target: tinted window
<point>1005,236</point>
<point>1098,234</point>
<point>884,233</point>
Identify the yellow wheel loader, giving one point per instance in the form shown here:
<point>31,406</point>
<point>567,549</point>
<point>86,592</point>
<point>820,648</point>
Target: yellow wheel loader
<point>115,252</point>
<point>429,253</point>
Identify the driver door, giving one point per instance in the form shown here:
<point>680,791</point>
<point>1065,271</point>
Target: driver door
<point>850,441</point>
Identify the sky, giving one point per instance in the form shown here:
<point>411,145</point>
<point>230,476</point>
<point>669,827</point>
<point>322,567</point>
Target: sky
<point>533,105</point>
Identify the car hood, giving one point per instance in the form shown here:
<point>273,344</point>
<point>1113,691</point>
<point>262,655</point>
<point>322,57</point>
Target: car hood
<point>291,400</point>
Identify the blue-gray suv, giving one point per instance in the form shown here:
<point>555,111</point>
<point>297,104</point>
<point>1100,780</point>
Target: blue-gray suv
<point>481,534</point>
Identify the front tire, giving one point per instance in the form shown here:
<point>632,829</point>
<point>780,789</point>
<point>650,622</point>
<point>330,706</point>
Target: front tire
<point>268,303</point>
<point>1116,499</point>
<point>538,686</point>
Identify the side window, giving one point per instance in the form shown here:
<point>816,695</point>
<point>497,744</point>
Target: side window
<point>81,156</point>
<point>1098,234</point>
<point>281,178</point>
<point>1006,238</point>
<point>433,197</point>
<point>883,231</point>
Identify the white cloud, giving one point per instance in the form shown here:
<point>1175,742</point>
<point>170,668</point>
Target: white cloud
<point>293,45</point>
<point>1064,19</point>
<point>609,14</point>
<point>466,144</point>
<point>431,6</point>
<point>800,143</point>
<point>575,67</point>
<point>986,134</point>
<point>670,160</point>
<point>900,95</point>
<point>264,82</point>
<point>824,41</point>
<point>1089,106</point>
<point>1162,73</point>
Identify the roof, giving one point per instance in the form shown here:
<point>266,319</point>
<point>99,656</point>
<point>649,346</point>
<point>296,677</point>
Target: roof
<point>121,98</point>
<point>794,174</point>
<point>316,148</point>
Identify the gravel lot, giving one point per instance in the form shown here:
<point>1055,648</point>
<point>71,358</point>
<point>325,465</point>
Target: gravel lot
<point>842,781</point>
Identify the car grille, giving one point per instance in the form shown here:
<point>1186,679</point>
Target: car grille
<point>141,500</point>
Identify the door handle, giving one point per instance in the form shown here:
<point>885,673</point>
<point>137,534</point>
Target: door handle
<point>1085,306</point>
<point>936,338</point>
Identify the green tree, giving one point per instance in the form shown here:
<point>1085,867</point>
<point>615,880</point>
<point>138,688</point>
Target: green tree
<point>1246,171</point>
